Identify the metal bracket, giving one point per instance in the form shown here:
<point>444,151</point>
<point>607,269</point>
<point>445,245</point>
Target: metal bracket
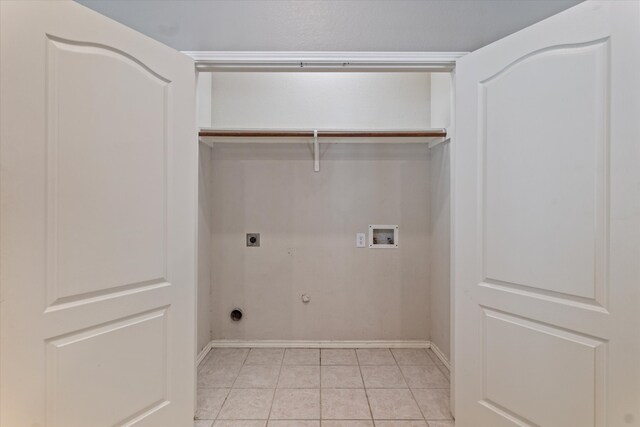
<point>316,152</point>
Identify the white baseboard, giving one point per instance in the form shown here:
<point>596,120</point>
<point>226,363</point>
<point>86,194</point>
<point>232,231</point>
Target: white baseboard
<point>203,353</point>
<point>318,344</point>
<point>441,356</point>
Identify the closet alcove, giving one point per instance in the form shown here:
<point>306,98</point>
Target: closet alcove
<point>309,160</point>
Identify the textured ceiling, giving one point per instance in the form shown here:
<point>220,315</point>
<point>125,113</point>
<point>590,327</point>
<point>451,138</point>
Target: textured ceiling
<point>317,25</point>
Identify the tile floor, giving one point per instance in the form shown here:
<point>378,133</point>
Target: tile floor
<point>274,387</point>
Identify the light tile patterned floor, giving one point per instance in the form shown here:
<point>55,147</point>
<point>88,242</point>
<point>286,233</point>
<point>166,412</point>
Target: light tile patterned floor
<point>274,387</point>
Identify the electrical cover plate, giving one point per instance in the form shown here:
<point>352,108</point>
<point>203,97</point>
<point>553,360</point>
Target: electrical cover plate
<point>383,236</point>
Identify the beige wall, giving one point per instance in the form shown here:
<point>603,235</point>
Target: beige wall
<point>440,218</point>
<point>308,220</point>
<point>320,100</point>
<point>308,223</point>
<point>205,216</point>
<point>440,245</point>
<point>203,98</point>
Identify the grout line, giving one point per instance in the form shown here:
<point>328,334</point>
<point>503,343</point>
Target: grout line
<point>410,390</point>
<point>320,385</point>
<point>202,362</point>
<point>273,398</point>
<point>220,410</point>
<point>232,384</point>
<point>244,360</point>
<point>240,370</point>
<point>364,386</point>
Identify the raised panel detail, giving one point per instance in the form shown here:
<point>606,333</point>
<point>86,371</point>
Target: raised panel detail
<point>97,218</point>
<point>108,374</point>
<point>544,172</point>
<point>545,376</point>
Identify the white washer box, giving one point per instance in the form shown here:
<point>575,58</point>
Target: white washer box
<point>383,236</point>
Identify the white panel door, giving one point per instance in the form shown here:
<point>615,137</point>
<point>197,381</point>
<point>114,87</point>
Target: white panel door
<point>98,197</point>
<point>547,224</point>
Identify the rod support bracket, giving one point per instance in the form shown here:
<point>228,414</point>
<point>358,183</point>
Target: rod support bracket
<point>316,152</point>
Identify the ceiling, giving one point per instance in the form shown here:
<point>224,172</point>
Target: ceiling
<point>328,25</point>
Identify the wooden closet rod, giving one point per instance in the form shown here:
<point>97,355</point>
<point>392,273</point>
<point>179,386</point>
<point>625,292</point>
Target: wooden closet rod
<point>433,133</point>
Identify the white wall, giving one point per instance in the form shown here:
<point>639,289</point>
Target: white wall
<point>308,223</point>
<point>320,100</point>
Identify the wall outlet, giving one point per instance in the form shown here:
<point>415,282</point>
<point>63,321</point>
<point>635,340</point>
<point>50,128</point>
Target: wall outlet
<point>361,240</point>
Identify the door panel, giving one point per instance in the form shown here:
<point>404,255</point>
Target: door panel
<point>141,371</point>
<point>547,221</point>
<point>540,358</point>
<point>98,197</point>
<point>97,218</point>
<point>543,179</point>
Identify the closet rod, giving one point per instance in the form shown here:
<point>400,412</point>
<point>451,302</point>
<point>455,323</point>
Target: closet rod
<point>433,133</point>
